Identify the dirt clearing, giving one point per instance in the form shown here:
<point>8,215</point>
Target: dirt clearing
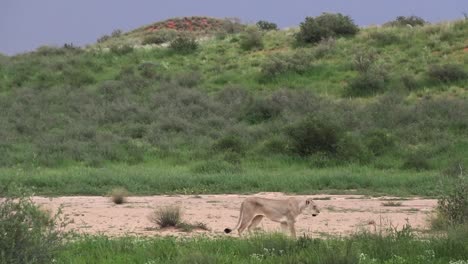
<point>340,214</point>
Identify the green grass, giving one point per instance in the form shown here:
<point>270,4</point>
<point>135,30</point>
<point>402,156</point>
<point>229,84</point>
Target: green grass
<point>399,247</point>
<point>165,177</point>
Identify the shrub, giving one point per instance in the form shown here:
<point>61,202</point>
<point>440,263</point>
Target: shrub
<point>184,44</point>
<point>313,135</point>
<point>262,110</point>
<point>379,141</point>
<point>103,39</point>
<point>417,160</point>
<point>312,30</point>
<point>116,33</point>
<point>364,59</point>
<point>452,206</point>
<point>27,233</point>
<point>119,195</point>
<point>383,38</point>
<point>297,62</point>
<point>447,73</point>
<point>189,79</point>
<point>160,36</point>
<point>232,25</point>
<point>265,25</point>
<point>350,148</point>
<point>366,84</point>
<point>409,82</point>
<point>169,216</point>
<point>121,49</point>
<point>251,38</point>
<point>403,21</point>
<point>229,143</point>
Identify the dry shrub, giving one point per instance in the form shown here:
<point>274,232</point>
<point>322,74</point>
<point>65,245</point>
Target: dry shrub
<point>167,216</point>
<point>119,195</point>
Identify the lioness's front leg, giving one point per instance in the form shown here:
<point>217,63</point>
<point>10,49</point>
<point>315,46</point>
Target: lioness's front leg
<point>292,229</point>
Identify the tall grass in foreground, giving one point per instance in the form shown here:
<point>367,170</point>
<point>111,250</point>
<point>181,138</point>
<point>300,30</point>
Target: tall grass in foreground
<point>398,247</point>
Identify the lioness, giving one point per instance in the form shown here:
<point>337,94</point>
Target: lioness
<point>253,209</point>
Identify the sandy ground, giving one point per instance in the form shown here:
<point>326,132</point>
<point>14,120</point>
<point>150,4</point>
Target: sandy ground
<point>340,214</point>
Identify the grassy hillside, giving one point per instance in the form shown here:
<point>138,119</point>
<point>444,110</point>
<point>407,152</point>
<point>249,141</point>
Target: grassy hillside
<point>238,110</point>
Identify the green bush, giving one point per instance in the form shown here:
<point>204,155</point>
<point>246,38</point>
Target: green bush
<point>366,84</point>
<point>403,21</point>
<point>251,39</point>
<point>160,37</point>
<point>447,73</point>
<point>184,44</point>
<point>384,38</point>
<point>312,30</point>
<point>298,62</point>
<point>313,135</point>
<point>453,204</point>
<point>230,143</point>
<point>262,110</point>
<point>265,25</point>
<point>418,160</point>
<point>27,233</point>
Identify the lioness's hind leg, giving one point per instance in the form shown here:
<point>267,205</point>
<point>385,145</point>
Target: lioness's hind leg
<point>257,219</point>
<point>245,222</point>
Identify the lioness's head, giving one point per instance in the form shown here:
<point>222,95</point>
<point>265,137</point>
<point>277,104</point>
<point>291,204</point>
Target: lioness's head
<point>311,204</point>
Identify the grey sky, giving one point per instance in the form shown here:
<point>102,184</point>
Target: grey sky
<point>28,24</point>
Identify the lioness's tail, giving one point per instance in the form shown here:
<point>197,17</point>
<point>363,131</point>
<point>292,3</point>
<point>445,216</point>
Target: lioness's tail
<point>228,230</point>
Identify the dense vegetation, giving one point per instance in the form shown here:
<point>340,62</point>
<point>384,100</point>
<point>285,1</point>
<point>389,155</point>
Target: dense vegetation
<point>384,110</point>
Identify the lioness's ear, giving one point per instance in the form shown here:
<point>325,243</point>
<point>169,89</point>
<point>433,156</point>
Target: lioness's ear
<point>307,202</point>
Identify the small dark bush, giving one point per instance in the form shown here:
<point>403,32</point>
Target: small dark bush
<point>418,160</point>
<point>251,39</point>
<point>409,82</point>
<point>403,21</point>
<point>119,195</point>
<point>229,143</point>
<point>184,44</point>
<point>379,141</point>
<point>104,38</point>
<point>116,33</point>
<point>262,110</point>
<point>312,30</point>
<point>150,70</point>
<point>265,25</point>
<point>447,73</point>
<point>366,84</point>
<point>350,148</point>
<point>313,135</point>
<point>189,79</point>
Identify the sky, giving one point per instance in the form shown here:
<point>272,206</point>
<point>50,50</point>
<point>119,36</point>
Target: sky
<point>28,24</point>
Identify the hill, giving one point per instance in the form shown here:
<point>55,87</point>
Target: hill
<point>202,105</point>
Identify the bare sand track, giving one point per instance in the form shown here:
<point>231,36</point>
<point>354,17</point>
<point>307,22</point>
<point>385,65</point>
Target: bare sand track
<point>340,214</point>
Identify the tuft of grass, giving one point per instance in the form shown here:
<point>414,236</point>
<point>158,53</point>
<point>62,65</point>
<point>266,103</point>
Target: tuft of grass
<point>119,195</point>
<point>392,204</point>
<point>168,216</point>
